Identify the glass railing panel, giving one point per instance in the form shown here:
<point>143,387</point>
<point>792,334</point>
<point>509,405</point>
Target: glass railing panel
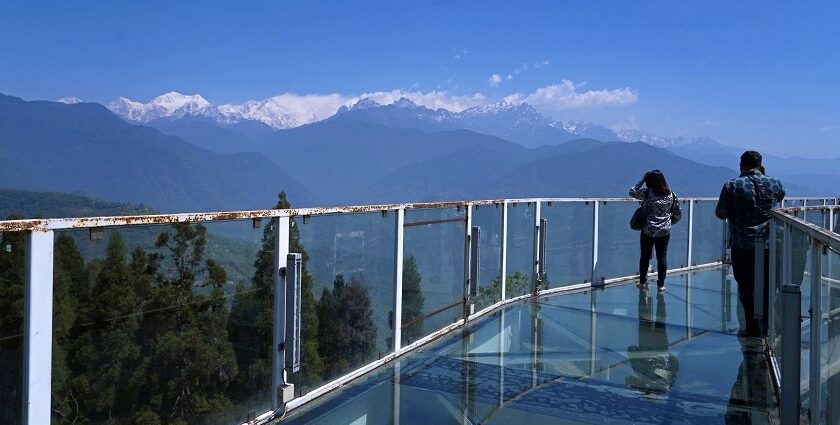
<point>520,249</point>
<point>348,293</point>
<point>800,251</point>
<point>830,343</point>
<point>618,244</point>
<point>712,298</point>
<point>12,280</point>
<point>568,245</point>
<point>161,324</point>
<point>433,270</point>
<point>816,217</point>
<point>708,234</point>
<point>778,279</point>
<point>489,219</point>
<point>678,244</point>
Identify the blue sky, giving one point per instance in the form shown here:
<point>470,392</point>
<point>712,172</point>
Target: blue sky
<point>745,73</point>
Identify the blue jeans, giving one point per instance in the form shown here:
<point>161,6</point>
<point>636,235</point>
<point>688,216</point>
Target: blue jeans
<point>648,243</point>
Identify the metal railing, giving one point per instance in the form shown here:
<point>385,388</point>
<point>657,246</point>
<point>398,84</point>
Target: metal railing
<point>605,226</point>
<point>804,272</point>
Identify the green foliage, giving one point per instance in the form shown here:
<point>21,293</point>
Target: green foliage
<point>150,337</point>
<point>348,339</point>
<point>514,284</point>
<point>413,301</point>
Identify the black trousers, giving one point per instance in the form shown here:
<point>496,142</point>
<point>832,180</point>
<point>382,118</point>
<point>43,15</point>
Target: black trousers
<point>648,243</point>
<point>743,268</point>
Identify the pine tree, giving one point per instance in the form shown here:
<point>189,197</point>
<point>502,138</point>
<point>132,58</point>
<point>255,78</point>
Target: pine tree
<point>348,339</point>
<point>110,337</point>
<point>412,302</point>
<point>252,323</point>
<point>12,258</point>
<point>189,361</point>
<point>70,296</point>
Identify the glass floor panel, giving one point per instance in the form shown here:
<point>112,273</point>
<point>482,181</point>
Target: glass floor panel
<point>619,355</point>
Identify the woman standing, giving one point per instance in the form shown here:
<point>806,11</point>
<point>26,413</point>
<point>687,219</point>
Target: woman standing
<point>661,211</point>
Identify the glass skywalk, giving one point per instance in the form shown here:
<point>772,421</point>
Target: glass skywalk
<point>614,355</point>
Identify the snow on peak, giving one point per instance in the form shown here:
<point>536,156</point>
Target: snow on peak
<point>404,102</point>
<point>365,103</point>
<point>168,105</point>
<point>70,100</point>
<point>174,101</point>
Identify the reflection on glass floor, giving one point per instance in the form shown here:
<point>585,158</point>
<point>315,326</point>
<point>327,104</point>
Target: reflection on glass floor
<point>618,355</point>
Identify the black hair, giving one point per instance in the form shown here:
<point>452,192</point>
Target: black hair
<point>750,160</point>
<point>655,180</point>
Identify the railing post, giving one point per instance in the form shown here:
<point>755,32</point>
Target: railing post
<point>281,251</point>
<point>595,217</point>
<point>467,259</point>
<point>399,232</point>
<point>535,265</point>
<point>503,250</point>
<point>689,257</point>
<point>791,325</point>
<point>37,328</point>
<point>816,329</point>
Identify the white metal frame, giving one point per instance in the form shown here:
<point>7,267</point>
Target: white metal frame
<point>37,328</point>
<point>39,284</point>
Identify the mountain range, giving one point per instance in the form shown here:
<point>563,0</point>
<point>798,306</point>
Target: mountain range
<point>85,148</point>
<point>182,154</point>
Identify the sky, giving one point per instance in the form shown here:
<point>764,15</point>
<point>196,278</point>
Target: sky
<point>761,75</point>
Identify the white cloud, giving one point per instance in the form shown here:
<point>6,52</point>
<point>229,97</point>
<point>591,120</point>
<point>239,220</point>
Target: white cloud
<point>565,96</point>
<point>494,80</point>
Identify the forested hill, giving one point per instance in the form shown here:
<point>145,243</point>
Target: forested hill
<point>28,204</point>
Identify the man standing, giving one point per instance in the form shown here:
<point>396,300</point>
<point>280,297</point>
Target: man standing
<point>746,202</point>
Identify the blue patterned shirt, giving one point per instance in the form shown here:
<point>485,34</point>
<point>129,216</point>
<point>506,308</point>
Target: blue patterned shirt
<point>748,208</point>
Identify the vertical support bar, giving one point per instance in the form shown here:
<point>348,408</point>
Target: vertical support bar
<point>467,258</point>
<point>789,397</point>
<point>503,262</point>
<point>543,232</point>
<point>281,251</point>
<point>535,266</point>
<point>37,328</point>
<point>475,260</point>
<point>689,257</point>
<point>831,219</point>
<point>816,329</point>
<point>774,285</point>
<point>399,231</point>
<point>294,275</point>
<point>595,217</point>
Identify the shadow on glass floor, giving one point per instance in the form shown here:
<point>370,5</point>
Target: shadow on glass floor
<point>619,355</point>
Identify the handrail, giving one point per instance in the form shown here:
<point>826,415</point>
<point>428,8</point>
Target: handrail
<point>152,219</point>
<point>824,236</point>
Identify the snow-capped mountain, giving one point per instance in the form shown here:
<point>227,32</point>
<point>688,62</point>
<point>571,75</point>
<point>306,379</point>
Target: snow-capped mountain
<point>172,105</point>
<point>517,122</point>
<point>587,130</point>
<point>278,112</point>
<point>664,141</point>
<point>70,100</point>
